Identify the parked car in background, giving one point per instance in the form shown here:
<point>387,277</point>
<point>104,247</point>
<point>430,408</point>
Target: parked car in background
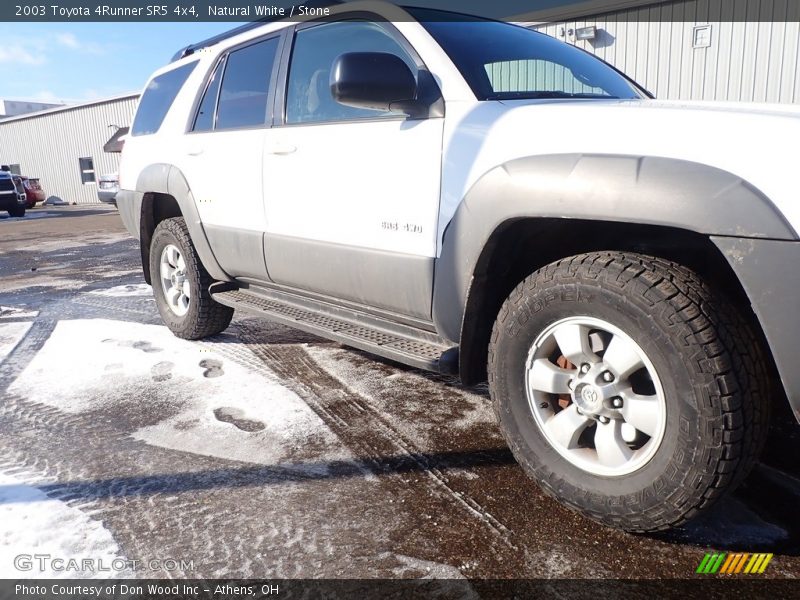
<point>33,190</point>
<point>107,188</point>
<point>12,194</point>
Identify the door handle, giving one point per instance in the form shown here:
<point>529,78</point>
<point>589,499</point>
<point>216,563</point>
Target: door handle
<point>282,148</point>
<point>195,151</point>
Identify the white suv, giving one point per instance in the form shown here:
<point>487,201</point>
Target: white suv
<point>477,198</point>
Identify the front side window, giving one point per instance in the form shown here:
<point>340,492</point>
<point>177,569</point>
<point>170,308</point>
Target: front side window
<point>245,86</point>
<point>505,62</point>
<point>158,98</point>
<point>308,93</point>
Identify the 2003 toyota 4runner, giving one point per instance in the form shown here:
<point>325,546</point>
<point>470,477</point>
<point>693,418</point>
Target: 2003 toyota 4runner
<point>473,197</point>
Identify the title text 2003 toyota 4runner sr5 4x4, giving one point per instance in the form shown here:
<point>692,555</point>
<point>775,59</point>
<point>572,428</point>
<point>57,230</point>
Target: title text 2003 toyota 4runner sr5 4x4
<point>473,197</point>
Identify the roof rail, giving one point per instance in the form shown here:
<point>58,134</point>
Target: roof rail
<point>191,49</point>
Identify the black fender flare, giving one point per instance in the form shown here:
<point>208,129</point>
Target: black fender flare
<point>167,179</point>
<point>630,189</point>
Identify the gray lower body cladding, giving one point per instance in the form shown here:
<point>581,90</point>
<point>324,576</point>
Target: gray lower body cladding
<point>392,281</point>
<point>769,271</point>
<point>130,210</point>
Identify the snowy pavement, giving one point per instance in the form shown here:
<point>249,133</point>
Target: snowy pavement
<point>266,452</point>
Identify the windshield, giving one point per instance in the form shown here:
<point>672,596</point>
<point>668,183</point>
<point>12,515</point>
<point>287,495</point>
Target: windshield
<point>506,62</point>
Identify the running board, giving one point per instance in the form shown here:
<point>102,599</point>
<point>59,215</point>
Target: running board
<point>395,341</point>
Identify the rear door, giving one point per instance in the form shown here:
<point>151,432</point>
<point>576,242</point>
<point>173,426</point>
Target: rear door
<point>351,195</point>
<point>224,153</point>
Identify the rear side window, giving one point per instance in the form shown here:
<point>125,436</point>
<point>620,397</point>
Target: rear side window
<point>204,121</point>
<point>245,86</point>
<point>157,99</point>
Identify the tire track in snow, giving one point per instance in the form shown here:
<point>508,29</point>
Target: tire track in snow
<point>24,352</point>
<point>354,420</point>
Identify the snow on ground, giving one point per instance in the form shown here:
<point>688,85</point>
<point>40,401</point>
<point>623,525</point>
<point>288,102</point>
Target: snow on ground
<point>31,523</point>
<point>11,334</point>
<point>125,291</point>
<point>17,312</point>
<point>219,408</point>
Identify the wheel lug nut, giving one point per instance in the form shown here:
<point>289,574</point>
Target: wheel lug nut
<point>608,377</point>
<point>616,402</point>
<point>585,368</point>
<point>544,405</point>
<point>604,420</point>
<point>571,384</point>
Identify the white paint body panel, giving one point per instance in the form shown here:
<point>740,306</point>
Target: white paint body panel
<point>352,183</point>
<point>224,173</point>
<point>755,142</point>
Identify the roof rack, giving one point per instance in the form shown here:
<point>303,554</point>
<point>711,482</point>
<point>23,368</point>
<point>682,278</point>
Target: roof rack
<point>191,49</point>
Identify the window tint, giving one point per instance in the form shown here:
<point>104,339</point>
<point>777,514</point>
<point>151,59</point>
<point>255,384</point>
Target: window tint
<point>536,76</point>
<point>308,95</point>
<point>204,121</point>
<point>505,62</point>
<point>158,98</point>
<point>245,85</point>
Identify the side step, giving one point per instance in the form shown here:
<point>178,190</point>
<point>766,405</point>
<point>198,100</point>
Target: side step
<point>395,341</point>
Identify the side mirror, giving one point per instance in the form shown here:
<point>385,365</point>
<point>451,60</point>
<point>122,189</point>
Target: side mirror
<point>374,80</point>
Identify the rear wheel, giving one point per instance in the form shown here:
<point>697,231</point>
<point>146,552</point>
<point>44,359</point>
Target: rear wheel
<point>17,211</point>
<point>628,388</point>
<point>180,284</point>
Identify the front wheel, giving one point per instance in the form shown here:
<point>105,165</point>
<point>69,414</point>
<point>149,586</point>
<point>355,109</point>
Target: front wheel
<point>17,211</point>
<point>628,389</point>
<point>180,284</point>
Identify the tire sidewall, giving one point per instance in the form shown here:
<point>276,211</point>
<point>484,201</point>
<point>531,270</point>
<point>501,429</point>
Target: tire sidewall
<point>162,237</point>
<point>529,315</point>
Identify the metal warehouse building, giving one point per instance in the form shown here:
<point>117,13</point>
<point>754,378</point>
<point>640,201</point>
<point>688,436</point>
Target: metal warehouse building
<point>724,50</point>
<point>63,146</point>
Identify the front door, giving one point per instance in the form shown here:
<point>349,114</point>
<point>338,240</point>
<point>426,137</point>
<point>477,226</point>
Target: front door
<point>351,195</point>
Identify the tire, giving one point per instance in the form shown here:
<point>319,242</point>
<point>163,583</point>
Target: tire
<point>18,211</point>
<point>193,315</point>
<point>685,414</point>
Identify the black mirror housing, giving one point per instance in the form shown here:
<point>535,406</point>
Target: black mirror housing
<point>373,80</point>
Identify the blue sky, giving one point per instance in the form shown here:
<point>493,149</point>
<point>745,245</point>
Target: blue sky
<point>85,61</point>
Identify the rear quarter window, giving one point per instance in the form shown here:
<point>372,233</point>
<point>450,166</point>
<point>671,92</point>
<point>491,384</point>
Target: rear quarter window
<point>158,98</point>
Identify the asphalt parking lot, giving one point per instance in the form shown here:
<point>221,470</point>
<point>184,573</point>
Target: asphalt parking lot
<point>266,452</point>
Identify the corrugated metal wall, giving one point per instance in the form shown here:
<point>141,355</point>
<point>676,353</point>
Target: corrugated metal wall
<point>49,145</point>
<point>747,61</point>
<point>524,75</point>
